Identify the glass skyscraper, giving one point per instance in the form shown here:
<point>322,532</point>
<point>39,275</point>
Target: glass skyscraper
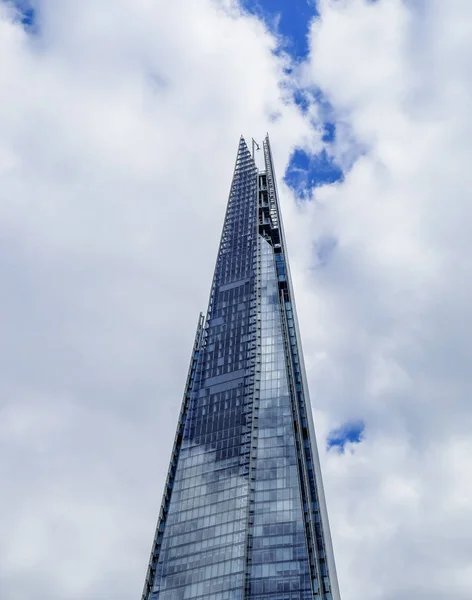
<point>243,515</point>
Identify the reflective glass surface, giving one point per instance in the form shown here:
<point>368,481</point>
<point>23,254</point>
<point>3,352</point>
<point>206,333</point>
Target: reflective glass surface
<point>241,515</point>
<point>279,561</point>
<point>204,542</point>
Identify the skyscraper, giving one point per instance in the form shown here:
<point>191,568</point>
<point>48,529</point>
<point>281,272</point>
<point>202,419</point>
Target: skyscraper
<point>243,515</point>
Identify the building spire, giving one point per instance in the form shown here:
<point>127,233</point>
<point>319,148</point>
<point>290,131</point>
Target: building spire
<point>243,513</point>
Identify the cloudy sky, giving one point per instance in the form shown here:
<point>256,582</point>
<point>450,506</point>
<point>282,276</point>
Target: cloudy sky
<point>119,124</point>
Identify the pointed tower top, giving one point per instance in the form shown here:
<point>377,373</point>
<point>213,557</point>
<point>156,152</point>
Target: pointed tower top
<point>243,150</point>
<point>242,143</point>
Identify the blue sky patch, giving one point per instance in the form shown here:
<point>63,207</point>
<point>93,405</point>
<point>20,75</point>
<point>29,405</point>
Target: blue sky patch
<point>306,172</point>
<point>320,169</point>
<point>329,132</point>
<point>26,13</point>
<point>302,100</point>
<point>326,113</point>
<point>351,432</point>
<point>290,18</point>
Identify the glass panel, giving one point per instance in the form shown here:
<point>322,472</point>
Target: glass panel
<point>204,543</point>
<point>232,523</point>
<point>279,558</point>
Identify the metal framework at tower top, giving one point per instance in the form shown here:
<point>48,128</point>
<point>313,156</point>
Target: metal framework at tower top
<point>243,516</point>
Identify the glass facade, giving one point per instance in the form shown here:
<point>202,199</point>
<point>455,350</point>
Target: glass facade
<point>279,566</point>
<point>243,514</point>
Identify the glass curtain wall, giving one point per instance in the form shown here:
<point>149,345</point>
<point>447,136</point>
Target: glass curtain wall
<point>243,515</point>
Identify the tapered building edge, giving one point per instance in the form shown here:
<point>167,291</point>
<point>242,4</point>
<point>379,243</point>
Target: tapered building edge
<point>335,592</point>
<point>304,407</point>
<point>166,497</point>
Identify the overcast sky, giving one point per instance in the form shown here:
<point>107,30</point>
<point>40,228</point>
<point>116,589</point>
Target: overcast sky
<point>119,125</point>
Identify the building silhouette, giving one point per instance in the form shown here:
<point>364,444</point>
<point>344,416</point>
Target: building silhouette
<point>243,515</point>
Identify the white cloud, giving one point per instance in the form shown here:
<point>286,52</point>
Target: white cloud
<point>118,130</point>
<point>392,307</point>
<point>119,125</point>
